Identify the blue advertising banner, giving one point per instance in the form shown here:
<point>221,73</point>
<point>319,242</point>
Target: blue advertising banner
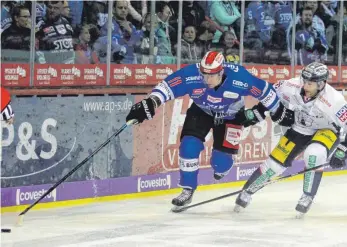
<point>51,135</point>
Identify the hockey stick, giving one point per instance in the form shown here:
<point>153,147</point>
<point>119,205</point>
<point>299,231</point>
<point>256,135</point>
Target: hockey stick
<point>239,191</point>
<point>21,215</point>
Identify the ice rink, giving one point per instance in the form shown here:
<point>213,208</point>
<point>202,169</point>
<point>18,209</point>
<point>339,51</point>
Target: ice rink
<point>268,221</point>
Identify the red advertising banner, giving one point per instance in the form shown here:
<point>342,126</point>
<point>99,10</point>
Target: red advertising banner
<point>344,74</point>
<point>70,75</point>
<point>140,74</point>
<point>333,74</point>
<point>15,75</point>
<point>270,73</point>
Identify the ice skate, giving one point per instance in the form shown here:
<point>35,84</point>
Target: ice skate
<point>303,205</point>
<point>242,201</point>
<point>219,176</point>
<point>183,199</point>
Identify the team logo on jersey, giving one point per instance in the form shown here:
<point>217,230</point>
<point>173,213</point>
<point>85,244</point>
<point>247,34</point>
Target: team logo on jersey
<point>342,113</point>
<point>61,29</point>
<point>48,29</point>
<point>230,95</point>
<point>213,99</point>
<point>198,92</point>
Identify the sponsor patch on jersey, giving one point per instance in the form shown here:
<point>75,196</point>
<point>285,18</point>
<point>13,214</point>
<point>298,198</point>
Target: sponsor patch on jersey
<point>269,99</point>
<point>289,84</point>
<point>278,84</point>
<point>255,91</point>
<point>198,92</point>
<point>164,88</point>
<point>324,100</point>
<point>230,95</point>
<point>233,67</point>
<point>240,84</point>
<point>213,99</point>
<point>175,81</point>
<point>69,27</point>
<point>232,136</point>
<point>342,113</point>
<point>61,29</point>
<point>193,79</point>
<point>286,97</point>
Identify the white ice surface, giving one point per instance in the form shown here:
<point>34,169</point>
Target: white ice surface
<point>269,221</point>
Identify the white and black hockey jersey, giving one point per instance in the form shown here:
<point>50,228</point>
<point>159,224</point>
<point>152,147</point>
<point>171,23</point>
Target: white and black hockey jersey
<point>328,110</point>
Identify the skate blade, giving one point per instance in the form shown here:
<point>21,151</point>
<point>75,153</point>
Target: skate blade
<point>178,209</point>
<point>238,209</point>
<point>299,216</point>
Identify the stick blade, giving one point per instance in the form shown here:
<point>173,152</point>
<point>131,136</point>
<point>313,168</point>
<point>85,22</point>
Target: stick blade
<point>20,220</point>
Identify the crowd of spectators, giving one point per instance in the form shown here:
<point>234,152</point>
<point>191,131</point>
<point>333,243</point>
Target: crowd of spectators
<point>76,31</point>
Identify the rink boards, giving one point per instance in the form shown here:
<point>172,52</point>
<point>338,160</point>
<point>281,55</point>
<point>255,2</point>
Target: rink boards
<point>52,135</point>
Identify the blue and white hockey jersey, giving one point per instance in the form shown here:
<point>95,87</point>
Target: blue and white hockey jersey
<point>223,102</point>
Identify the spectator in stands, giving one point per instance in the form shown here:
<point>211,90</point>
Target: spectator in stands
<point>96,12</point>
<point>137,12</point>
<point>123,33</point>
<point>344,33</point>
<point>310,44</point>
<point>164,33</point>
<point>84,52</point>
<point>143,50</point>
<point>192,14</point>
<point>67,12</point>
<point>41,10</point>
<point>258,25</point>
<point>16,38</point>
<point>205,35</point>
<point>225,14</point>
<point>6,18</point>
<point>317,22</point>
<point>191,51</point>
<point>327,13</point>
<point>54,39</point>
<point>283,15</point>
<point>76,11</point>
<point>229,46</point>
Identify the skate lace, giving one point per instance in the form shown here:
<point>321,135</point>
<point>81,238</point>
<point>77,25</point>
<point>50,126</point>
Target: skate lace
<point>305,200</point>
<point>184,195</point>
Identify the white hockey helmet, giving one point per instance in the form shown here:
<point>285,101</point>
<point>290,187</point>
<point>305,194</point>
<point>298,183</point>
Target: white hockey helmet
<point>212,62</point>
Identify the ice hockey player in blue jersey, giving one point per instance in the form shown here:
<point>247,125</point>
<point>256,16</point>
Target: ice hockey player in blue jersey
<point>217,90</point>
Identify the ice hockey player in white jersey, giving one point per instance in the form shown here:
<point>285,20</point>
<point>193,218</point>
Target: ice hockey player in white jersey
<point>320,115</point>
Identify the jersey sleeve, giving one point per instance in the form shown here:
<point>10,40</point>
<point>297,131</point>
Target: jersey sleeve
<point>171,87</point>
<point>260,89</point>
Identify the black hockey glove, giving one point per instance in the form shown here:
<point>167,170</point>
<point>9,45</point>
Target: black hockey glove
<point>142,110</point>
<point>251,116</point>
<point>339,157</point>
<point>283,116</point>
